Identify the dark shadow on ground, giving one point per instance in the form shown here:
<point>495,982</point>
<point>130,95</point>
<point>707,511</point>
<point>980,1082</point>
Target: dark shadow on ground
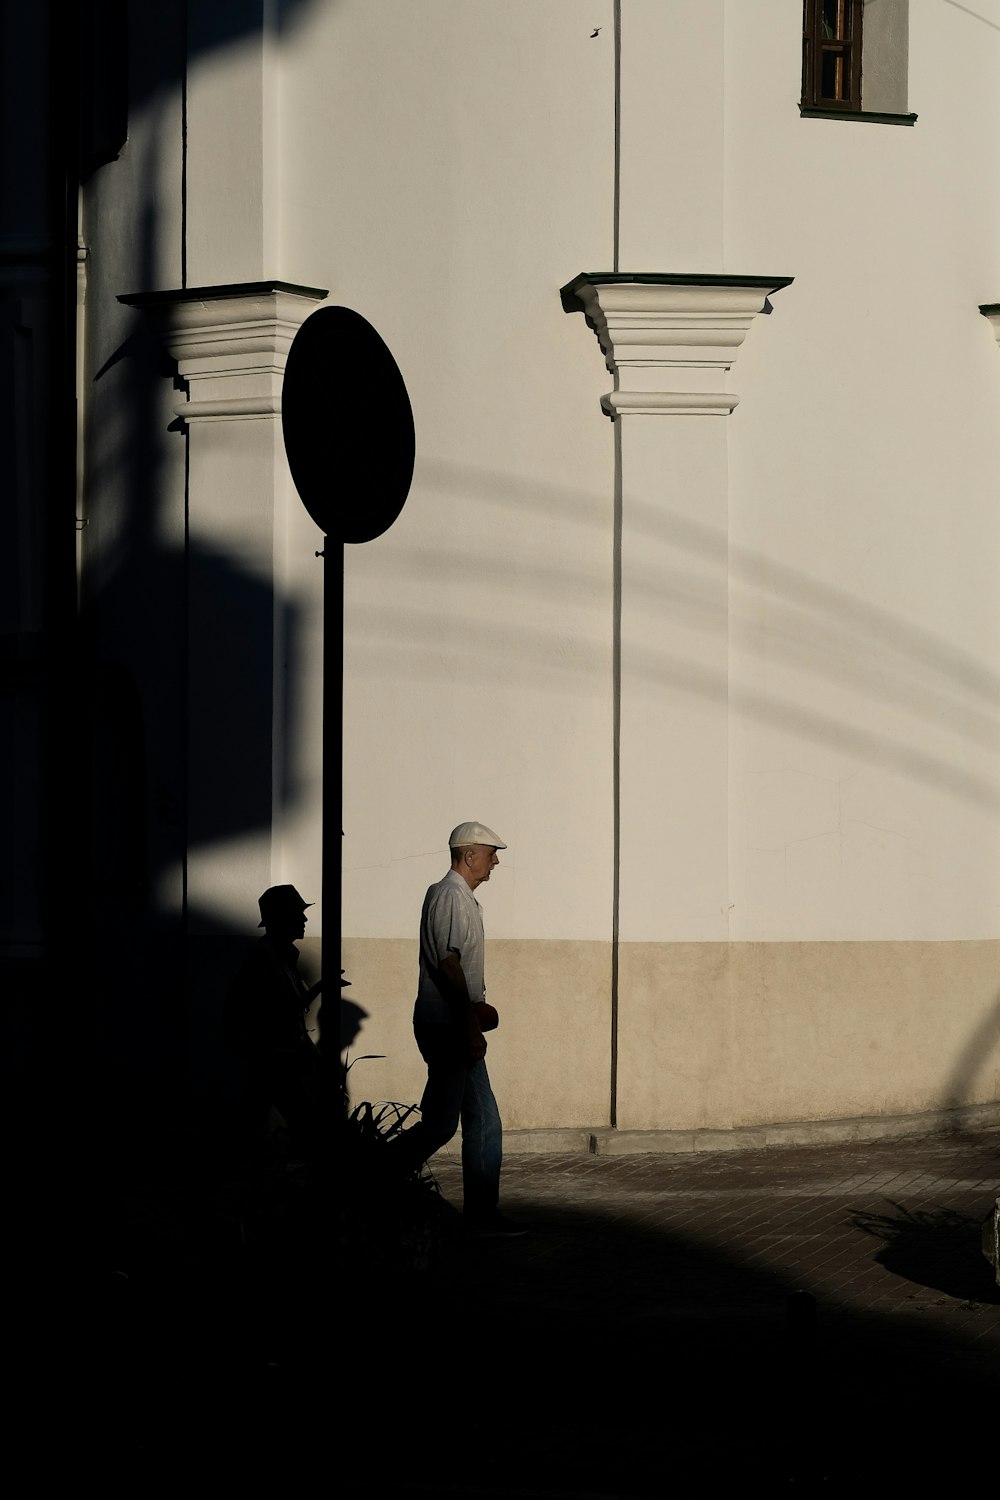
<point>936,1248</point>
<point>593,1357</point>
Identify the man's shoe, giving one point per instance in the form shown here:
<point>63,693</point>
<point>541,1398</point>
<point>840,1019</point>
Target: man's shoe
<point>493,1226</point>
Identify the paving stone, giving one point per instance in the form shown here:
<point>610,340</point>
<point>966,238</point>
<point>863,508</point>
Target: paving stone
<point>638,1342</point>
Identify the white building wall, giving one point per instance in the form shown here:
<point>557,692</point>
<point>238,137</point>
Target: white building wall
<point>806,822</point>
<point>858,623</point>
<point>466,171</point>
<point>861,969</point>
<point>864,516</point>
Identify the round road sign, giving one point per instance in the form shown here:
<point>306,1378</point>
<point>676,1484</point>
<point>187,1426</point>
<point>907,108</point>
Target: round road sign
<point>347,425</point>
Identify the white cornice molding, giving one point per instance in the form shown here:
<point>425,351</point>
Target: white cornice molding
<point>669,339</point>
<point>668,403</point>
<point>230,344</point>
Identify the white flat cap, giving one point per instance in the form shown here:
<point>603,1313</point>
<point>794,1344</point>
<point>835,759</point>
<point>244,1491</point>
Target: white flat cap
<point>474,833</point>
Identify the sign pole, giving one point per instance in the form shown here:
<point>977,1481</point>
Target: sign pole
<point>333,776</point>
<point>350,446</point>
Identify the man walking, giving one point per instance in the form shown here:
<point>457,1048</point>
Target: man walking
<point>448,1021</point>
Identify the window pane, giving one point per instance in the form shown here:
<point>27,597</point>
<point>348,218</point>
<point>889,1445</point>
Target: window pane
<point>836,20</point>
<point>834,76</point>
<point>831,53</point>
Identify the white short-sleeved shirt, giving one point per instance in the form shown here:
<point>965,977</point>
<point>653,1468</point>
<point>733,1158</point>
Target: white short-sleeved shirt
<point>451,922</point>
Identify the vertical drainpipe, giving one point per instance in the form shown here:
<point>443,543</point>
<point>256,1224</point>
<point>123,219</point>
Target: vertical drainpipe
<point>616,586</point>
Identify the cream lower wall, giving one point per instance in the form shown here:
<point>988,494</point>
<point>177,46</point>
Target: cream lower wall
<point>720,1035</point>
<point>710,1035</point>
<point>549,1060</point>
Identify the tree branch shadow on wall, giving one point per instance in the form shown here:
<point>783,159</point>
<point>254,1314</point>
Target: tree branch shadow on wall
<point>778,612</point>
<point>977,1053</point>
<point>890,664</point>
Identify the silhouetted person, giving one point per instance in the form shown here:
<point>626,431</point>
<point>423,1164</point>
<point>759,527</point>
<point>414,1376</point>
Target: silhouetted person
<point>449,1032</point>
<point>266,1023</point>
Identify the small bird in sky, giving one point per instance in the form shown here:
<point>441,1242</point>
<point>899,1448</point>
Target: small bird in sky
<point>596,31</point>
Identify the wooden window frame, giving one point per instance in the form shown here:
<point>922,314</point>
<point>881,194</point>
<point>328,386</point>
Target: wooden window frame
<point>816,48</point>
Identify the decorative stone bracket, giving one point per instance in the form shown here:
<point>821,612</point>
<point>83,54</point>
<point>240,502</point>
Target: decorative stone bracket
<point>991,312</point>
<point>230,343</point>
<point>669,339</point>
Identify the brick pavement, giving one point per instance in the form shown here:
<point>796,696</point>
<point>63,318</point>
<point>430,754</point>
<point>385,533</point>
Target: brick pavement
<point>650,1336</point>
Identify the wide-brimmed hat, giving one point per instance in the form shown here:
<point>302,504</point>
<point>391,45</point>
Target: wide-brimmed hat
<point>281,901</point>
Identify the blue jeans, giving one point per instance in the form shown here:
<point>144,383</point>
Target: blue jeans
<point>457,1090</point>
